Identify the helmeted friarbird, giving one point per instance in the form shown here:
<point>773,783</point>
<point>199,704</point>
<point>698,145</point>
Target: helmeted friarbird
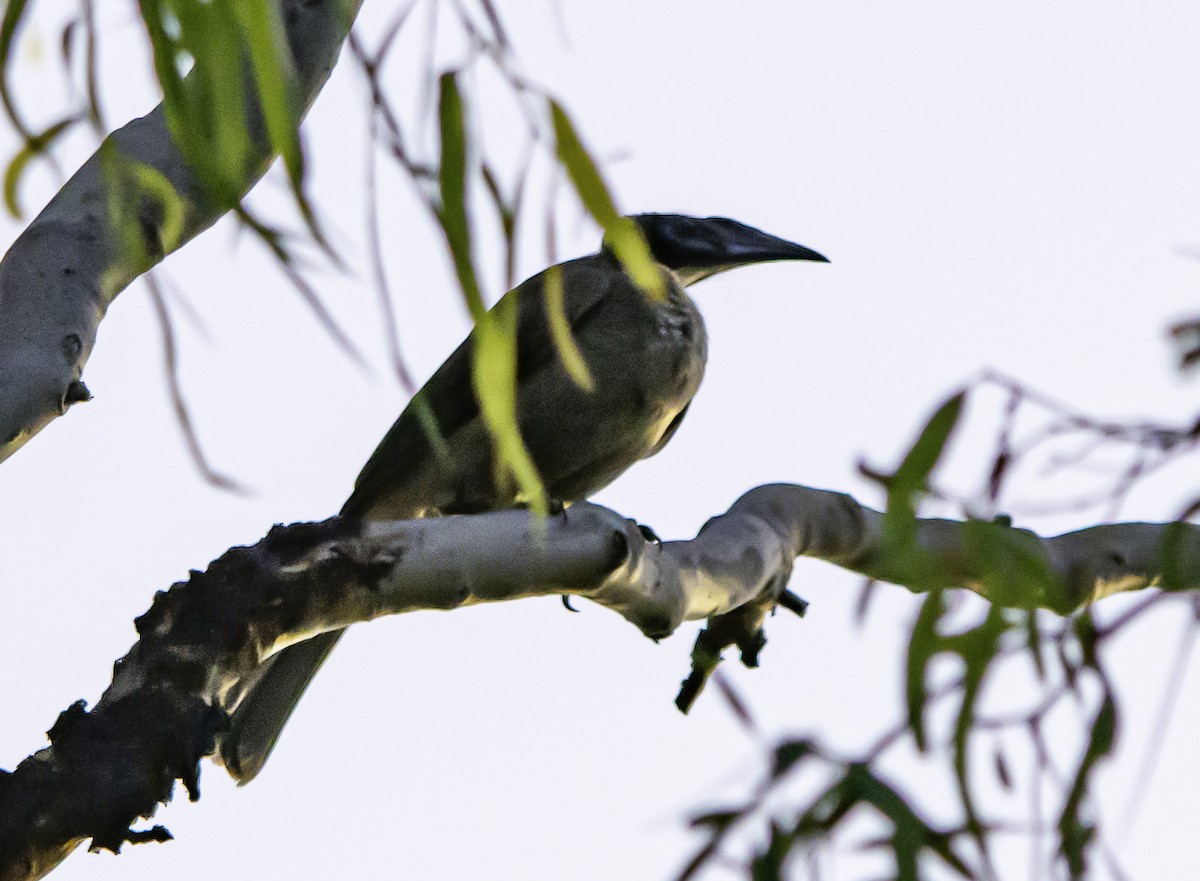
<point>645,356</point>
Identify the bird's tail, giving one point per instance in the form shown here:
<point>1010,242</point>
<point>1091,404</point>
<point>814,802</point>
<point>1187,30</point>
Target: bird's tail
<point>268,703</point>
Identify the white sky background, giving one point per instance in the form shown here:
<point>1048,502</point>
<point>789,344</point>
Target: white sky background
<point>1004,186</point>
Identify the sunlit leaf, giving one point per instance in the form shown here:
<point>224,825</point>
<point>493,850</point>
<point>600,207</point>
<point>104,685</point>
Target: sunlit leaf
<point>154,183</point>
<point>560,331</point>
<point>452,178</point>
<point>494,364</point>
<point>264,35</point>
<point>621,234</point>
<point>495,377</point>
<point>275,77</point>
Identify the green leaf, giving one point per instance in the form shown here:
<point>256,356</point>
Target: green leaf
<point>217,103</point>
<point>560,331</point>
<point>978,648</point>
<point>264,35</point>
<point>1177,553</point>
<point>494,364</point>
<point>174,210</point>
<point>920,460</point>
<point>34,146</point>
<point>789,753</point>
<point>621,234</point>
<point>1033,641</point>
<point>494,371</point>
<point>910,479</point>
<point>768,865</point>
<point>1013,567</point>
<point>275,78</point>
<point>923,643</point>
<point>911,835</point>
<point>13,11</point>
<point>452,179</point>
<point>1075,833</point>
<point>165,51</point>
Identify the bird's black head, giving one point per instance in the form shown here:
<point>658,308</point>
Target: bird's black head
<point>697,247</point>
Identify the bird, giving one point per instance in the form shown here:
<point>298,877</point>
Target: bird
<point>645,356</point>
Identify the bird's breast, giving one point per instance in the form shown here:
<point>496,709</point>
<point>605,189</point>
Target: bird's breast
<point>683,343</point>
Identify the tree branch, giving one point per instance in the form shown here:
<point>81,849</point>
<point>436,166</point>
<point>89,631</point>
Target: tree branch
<point>168,702</point>
<point>59,277</point>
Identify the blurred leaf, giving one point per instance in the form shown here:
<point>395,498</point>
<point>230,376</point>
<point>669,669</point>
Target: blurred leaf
<point>716,819</point>
<point>923,643</point>
<point>925,453</point>
<point>66,44</point>
<point>452,179</point>
<point>1013,567</point>
<point>560,331</point>
<point>1076,834</point>
<point>216,97</point>
<point>166,68</point>
<point>768,864</point>
<point>912,835</point>
<point>275,77</point>
<point>788,754</point>
<point>977,647</point>
<point>494,365</point>
<point>718,824</point>
<point>508,220</point>
<point>621,234</point>
<point>154,183</point>
<point>1033,641</point>
<point>13,11</point>
<point>495,376</point>
<point>907,483</point>
<point>34,146</point>
<point>1177,557</point>
<point>264,35</point>
<point>91,63</point>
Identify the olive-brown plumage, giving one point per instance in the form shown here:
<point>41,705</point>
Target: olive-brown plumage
<point>646,359</point>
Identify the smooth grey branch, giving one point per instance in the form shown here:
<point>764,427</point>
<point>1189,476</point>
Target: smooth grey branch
<point>60,276</point>
<point>170,697</point>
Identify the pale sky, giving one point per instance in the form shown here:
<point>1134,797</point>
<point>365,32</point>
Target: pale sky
<point>1011,186</point>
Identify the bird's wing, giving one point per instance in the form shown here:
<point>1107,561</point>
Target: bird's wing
<point>446,404</point>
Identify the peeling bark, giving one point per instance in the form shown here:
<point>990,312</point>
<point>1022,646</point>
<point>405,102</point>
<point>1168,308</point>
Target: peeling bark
<point>170,696</point>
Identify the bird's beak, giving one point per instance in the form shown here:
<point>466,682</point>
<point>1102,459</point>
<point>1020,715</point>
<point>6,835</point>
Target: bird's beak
<point>743,245</point>
<point>697,247</point>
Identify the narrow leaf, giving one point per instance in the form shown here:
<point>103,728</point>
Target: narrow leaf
<point>621,234</point>
<point>920,460</point>
<point>34,146</point>
<point>923,644</point>
<point>910,479</point>
<point>13,11</point>
<point>560,331</point>
<point>494,364</point>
